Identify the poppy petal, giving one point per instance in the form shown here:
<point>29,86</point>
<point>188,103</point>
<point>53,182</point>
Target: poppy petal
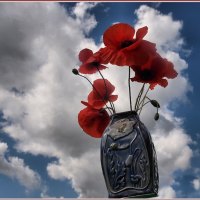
<point>113,98</point>
<point>163,82</point>
<point>133,46</point>
<point>101,67</point>
<point>96,101</point>
<point>87,69</point>
<point>86,103</point>
<point>99,104</point>
<point>91,97</point>
<point>118,58</point>
<point>133,79</point>
<point>93,122</point>
<point>100,84</point>
<point>85,54</point>
<point>152,85</point>
<point>132,56</point>
<point>100,95</point>
<point>118,33</point>
<point>141,32</point>
<point>105,54</point>
<point>146,48</point>
<point>170,71</point>
<point>91,59</point>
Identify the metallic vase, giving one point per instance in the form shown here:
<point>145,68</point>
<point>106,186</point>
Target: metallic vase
<point>128,158</point>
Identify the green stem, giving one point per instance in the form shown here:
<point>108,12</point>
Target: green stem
<point>109,108</point>
<point>139,97</point>
<point>148,98</point>
<point>129,88</point>
<point>142,106</point>
<point>142,102</point>
<point>113,106</point>
<point>141,93</point>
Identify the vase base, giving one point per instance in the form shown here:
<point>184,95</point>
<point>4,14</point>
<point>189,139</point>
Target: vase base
<point>151,195</point>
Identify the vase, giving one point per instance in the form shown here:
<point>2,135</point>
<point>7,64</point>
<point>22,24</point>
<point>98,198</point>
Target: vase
<point>128,158</point>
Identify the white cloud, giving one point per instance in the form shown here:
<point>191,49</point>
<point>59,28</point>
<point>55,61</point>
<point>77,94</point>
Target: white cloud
<point>15,168</point>
<point>165,31</point>
<point>172,150</point>
<point>81,8</point>
<point>167,192</point>
<point>85,173</point>
<point>44,118</point>
<point>85,20</point>
<point>196,184</point>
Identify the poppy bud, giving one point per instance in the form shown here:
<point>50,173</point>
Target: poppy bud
<point>156,117</point>
<point>75,71</point>
<point>155,103</point>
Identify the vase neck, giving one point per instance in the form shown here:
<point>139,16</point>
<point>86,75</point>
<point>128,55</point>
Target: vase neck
<point>127,114</point>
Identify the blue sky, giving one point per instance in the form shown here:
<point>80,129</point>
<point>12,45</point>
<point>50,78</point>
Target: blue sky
<point>43,152</point>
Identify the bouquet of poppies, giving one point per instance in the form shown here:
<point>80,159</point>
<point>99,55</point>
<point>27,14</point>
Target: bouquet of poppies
<point>123,48</point>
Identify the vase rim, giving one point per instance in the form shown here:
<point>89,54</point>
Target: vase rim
<point>125,112</point>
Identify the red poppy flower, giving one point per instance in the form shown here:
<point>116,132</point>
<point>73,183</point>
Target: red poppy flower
<point>154,72</point>
<point>122,49</point>
<point>93,121</point>
<point>90,62</point>
<point>101,94</point>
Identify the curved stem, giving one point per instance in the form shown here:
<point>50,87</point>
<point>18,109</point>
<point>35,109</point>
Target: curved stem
<point>141,93</point>
<point>142,102</point>
<point>129,88</point>
<point>148,98</point>
<point>97,92</point>
<point>142,106</point>
<point>113,106</point>
<point>109,108</point>
<point>144,99</point>
<point>139,97</point>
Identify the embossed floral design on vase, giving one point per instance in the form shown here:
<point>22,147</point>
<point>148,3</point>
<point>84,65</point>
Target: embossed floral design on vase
<point>128,156</point>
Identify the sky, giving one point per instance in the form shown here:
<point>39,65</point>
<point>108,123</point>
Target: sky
<point>43,151</point>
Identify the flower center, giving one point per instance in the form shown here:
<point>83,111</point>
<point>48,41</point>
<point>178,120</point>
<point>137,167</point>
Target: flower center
<point>147,74</point>
<point>126,43</point>
<point>95,64</point>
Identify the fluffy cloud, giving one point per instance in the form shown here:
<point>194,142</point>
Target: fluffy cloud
<point>85,173</point>
<point>86,21</point>
<point>167,192</point>
<point>41,111</point>
<point>49,100</point>
<point>196,184</point>
<point>15,168</point>
<point>165,31</point>
<point>173,151</point>
<point>40,97</point>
